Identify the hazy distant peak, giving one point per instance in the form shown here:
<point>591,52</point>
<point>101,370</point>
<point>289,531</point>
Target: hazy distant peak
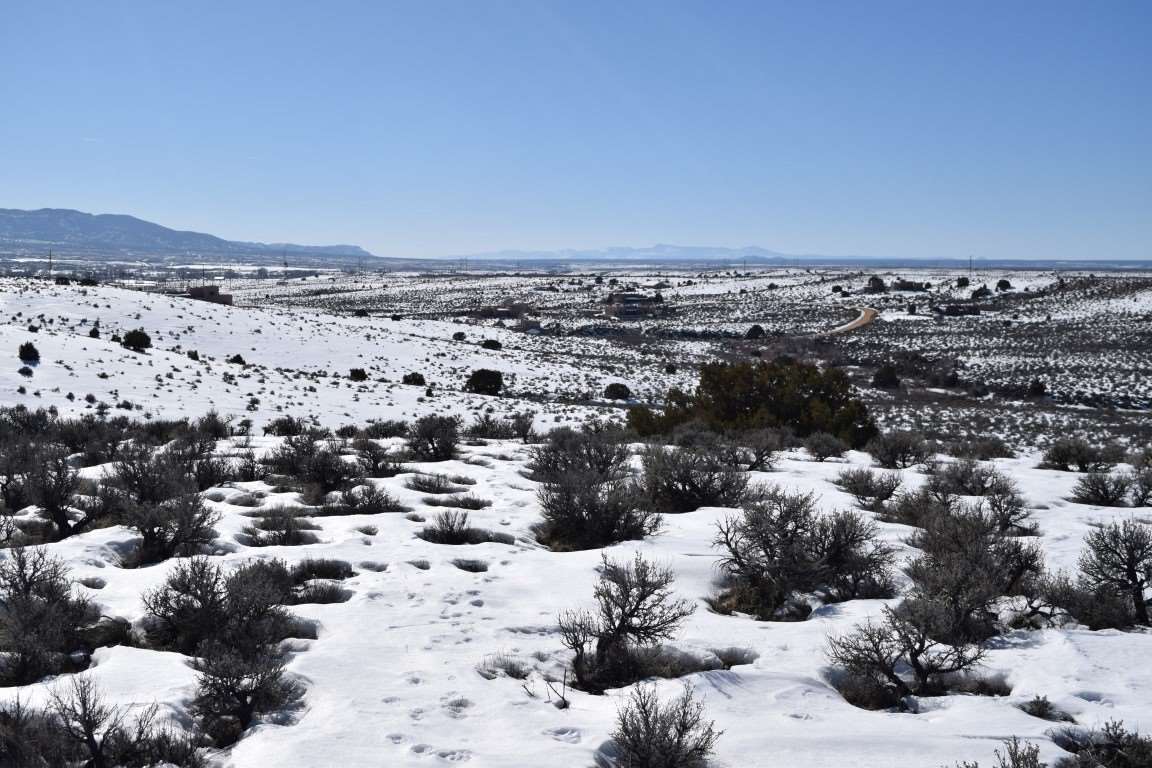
<point>64,229</point>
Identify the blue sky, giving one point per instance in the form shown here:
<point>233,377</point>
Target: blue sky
<point>905,129</point>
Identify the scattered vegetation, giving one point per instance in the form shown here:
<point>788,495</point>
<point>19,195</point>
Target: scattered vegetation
<point>635,609</point>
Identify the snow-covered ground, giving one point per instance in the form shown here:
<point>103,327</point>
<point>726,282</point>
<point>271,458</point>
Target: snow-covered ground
<point>295,361</point>
<point>392,678</point>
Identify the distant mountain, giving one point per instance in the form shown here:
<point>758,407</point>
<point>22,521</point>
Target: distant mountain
<point>656,254</point>
<point>711,257</point>
<point>67,231</point>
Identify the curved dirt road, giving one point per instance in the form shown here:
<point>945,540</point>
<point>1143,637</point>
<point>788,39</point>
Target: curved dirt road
<point>867,315</point>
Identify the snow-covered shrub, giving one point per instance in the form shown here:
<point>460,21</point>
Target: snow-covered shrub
<point>320,593</point>
<point>1141,495</point>
<point>210,472</point>
<point>431,482</point>
<point>176,527</point>
<point>1041,707</point>
<point>736,397</point>
<point>1007,508</point>
<point>326,471</point>
<point>522,425</point>
<point>321,568</point>
<point>41,619</point>
<point>584,511</point>
<point>1016,754</point>
<point>285,426</point>
<point>458,500</point>
<point>753,451</point>
<point>488,427</point>
<point>434,438</point>
<point>453,528</point>
<point>493,666</point>
<point>50,482</point>
<point>1112,746</point>
<point>380,430</point>
<point>292,455</point>
<point>822,446</point>
<point>368,499</point>
<point>188,607</point>
<point>870,489</point>
<point>485,381</point>
<point>899,450</point>
<point>1074,454</point>
<point>148,476</point>
<point>28,353</point>
<point>917,507</point>
<point>136,340</point>
<point>595,450</point>
<point>1120,556</point>
<point>1102,489</point>
<point>967,477</point>
<point>685,479</point>
<point>198,603</point>
<point>779,547</point>
<point>981,449</point>
<point>246,467</point>
<point>964,567</point>
<point>234,688</point>
<point>1059,596</point>
<point>281,527</point>
<point>650,734</point>
<point>77,727</point>
<point>635,609</point>
<point>880,662</point>
<point>376,460</point>
<point>617,391</point>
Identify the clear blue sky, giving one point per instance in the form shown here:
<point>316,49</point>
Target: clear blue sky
<point>1003,129</point>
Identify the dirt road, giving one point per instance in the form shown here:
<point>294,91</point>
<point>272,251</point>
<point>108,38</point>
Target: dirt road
<point>867,315</point>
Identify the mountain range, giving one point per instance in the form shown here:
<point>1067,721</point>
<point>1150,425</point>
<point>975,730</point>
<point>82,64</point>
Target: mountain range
<point>74,232</point>
<point>70,233</point>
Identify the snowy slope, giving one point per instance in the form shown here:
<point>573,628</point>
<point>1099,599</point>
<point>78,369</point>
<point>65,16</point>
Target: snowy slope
<point>392,679</point>
<point>296,362</point>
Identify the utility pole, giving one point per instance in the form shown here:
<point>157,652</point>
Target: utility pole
<point>49,262</point>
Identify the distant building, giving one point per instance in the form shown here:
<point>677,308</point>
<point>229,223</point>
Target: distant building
<point>633,305</point>
<point>909,285</point>
<point>210,293</point>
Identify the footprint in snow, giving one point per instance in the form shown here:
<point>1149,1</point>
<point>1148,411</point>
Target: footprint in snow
<point>454,755</point>
<point>566,735</point>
